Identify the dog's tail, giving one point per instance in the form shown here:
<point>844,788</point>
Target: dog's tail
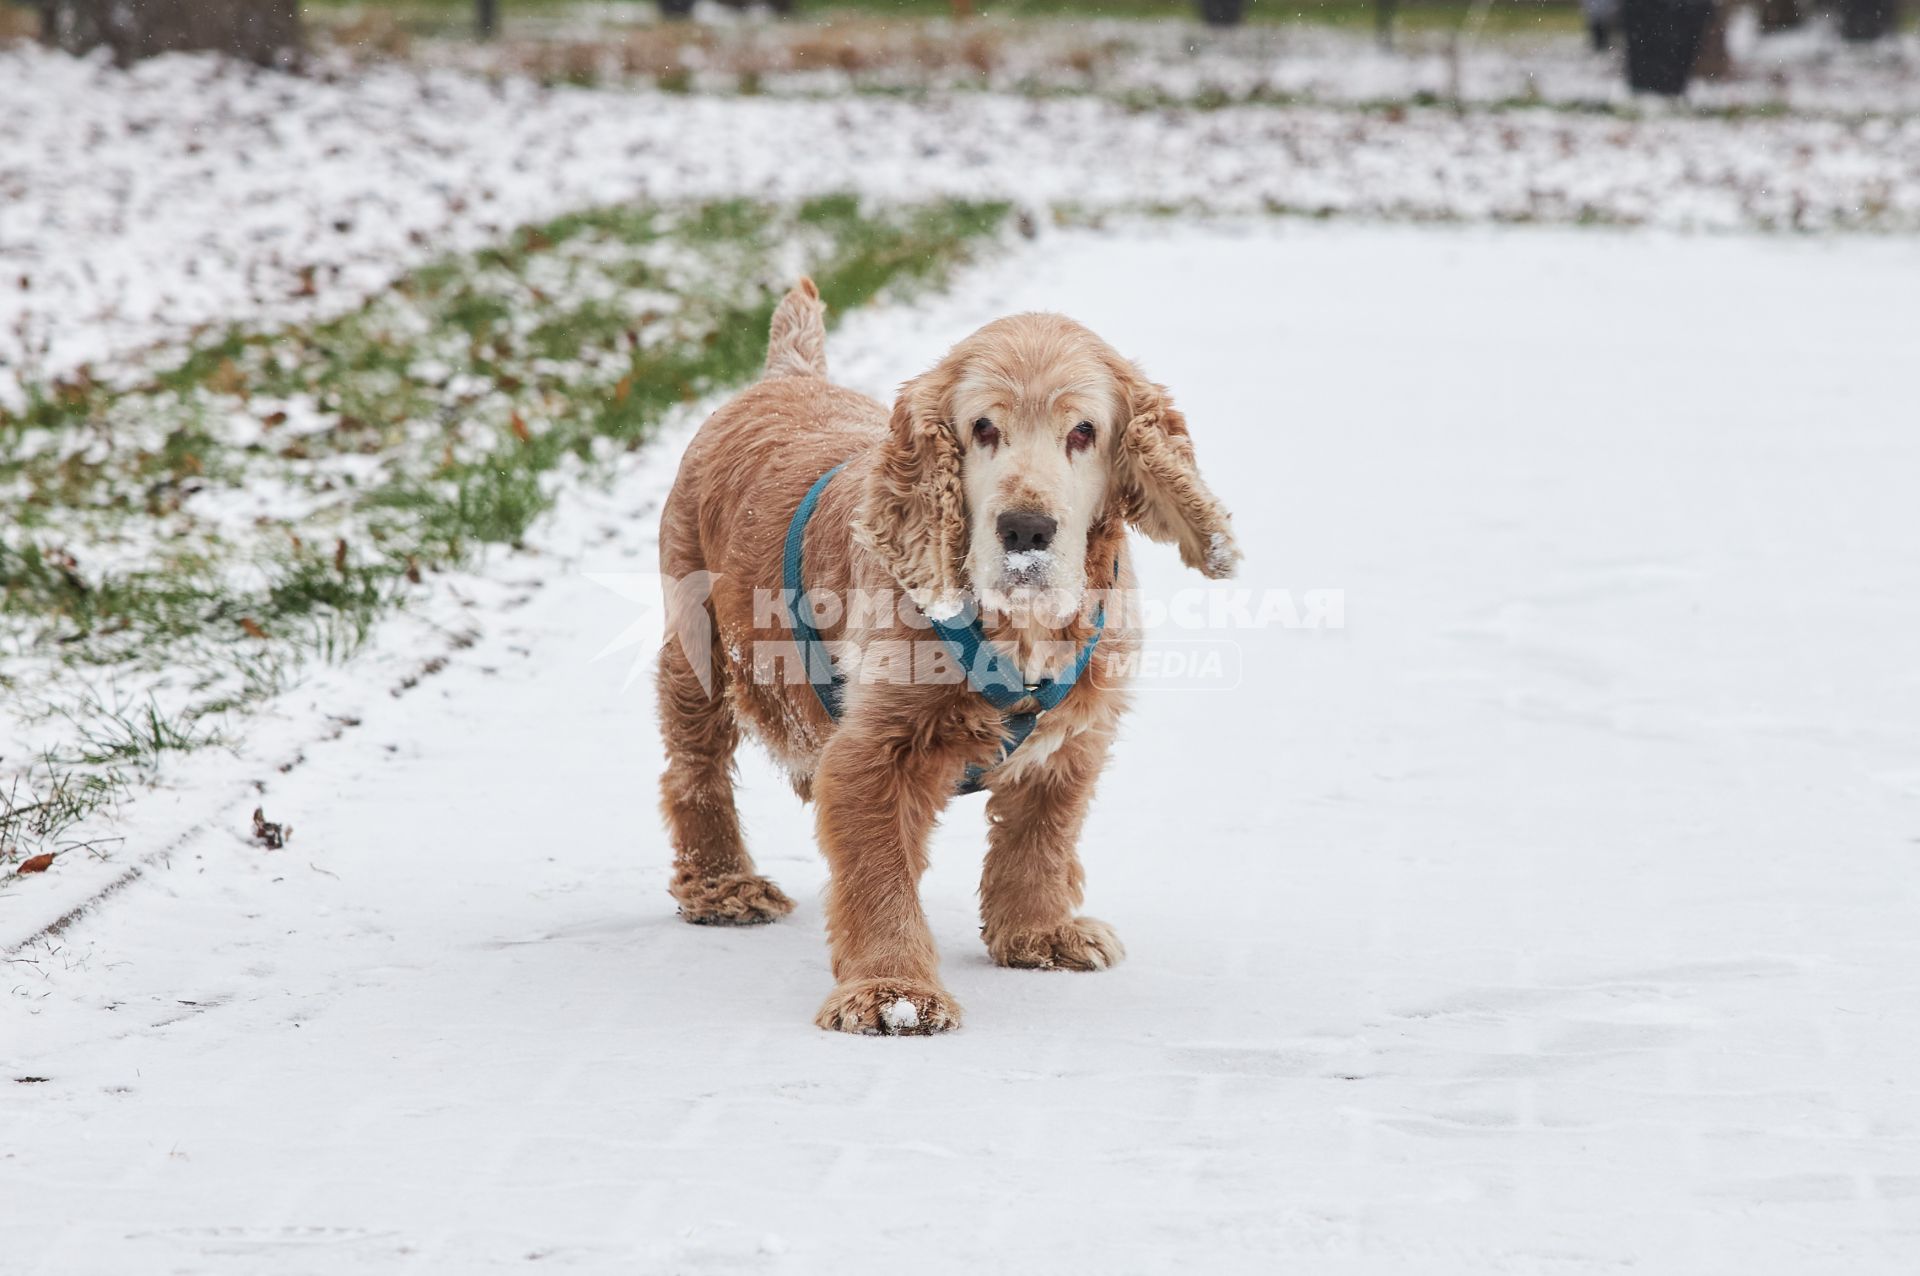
<point>797,344</point>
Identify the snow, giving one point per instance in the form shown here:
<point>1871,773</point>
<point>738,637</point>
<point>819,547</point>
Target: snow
<point>1554,913</point>
<point>219,194</point>
<point>1021,561</point>
<point>901,1014</point>
<point>1220,554</point>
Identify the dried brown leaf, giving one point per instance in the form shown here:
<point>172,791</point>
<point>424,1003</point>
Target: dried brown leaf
<point>267,833</point>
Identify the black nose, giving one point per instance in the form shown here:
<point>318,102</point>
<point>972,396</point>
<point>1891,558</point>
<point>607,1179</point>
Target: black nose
<point>1023,529</point>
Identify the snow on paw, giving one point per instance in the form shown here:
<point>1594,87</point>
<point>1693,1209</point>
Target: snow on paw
<point>1084,943</point>
<point>889,1008</point>
<point>734,899</point>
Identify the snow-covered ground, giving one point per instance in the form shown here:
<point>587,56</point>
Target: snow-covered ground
<point>1557,914</point>
<point>215,194</point>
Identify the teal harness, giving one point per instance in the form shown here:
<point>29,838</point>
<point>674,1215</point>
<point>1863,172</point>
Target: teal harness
<point>990,674</point>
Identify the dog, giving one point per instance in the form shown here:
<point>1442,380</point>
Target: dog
<point>993,501</point>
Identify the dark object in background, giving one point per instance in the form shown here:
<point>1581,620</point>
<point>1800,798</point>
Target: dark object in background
<point>264,31</point>
<point>1603,19</point>
<point>1222,13</point>
<point>1383,11</point>
<point>1663,39</point>
<point>1714,61</point>
<point>1781,15</point>
<point>676,8</point>
<point>486,18</point>
<point>1863,20</point>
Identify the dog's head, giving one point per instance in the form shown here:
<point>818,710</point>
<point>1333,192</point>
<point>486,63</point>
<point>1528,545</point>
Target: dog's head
<point>1007,464</point>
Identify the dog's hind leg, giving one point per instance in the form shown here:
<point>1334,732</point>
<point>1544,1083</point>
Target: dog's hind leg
<point>713,876</point>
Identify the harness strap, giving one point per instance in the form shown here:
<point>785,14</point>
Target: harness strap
<point>813,652</point>
<point>988,672</point>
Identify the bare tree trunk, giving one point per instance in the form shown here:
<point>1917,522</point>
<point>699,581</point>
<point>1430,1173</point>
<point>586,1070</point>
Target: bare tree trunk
<point>263,31</point>
<point>1663,39</point>
<point>1713,62</point>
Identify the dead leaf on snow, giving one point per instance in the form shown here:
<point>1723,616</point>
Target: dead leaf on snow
<point>267,833</point>
<point>37,864</point>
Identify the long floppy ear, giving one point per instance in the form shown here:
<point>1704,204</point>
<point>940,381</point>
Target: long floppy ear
<point>913,514</point>
<point>1161,492</point>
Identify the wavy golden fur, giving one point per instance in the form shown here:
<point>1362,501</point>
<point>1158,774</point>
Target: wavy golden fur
<point>1007,474</point>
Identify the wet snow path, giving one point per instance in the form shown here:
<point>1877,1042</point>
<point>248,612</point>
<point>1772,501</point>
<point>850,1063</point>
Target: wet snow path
<point>1556,914</point>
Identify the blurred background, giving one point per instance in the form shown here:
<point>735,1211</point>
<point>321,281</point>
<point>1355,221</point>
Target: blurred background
<point>1655,46</point>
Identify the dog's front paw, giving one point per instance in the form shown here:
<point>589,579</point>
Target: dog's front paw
<point>733,899</point>
<point>1081,944</point>
<point>889,1008</point>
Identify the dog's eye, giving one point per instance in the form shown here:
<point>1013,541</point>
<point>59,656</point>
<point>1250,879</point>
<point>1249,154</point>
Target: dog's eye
<point>1080,436</point>
<point>986,432</point>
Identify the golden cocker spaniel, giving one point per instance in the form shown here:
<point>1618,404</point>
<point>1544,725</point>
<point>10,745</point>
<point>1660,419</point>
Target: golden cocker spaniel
<point>993,502</point>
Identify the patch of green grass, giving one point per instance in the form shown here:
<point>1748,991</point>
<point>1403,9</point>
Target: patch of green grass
<point>872,261</point>
<point>591,323</point>
<point>205,364</point>
<point>493,502</point>
<point>830,209</point>
<point>478,314</point>
<point>312,584</point>
<point>48,586</point>
<point>116,738</point>
<point>738,220</point>
<point>629,223</point>
<point>41,802</point>
<point>57,406</point>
